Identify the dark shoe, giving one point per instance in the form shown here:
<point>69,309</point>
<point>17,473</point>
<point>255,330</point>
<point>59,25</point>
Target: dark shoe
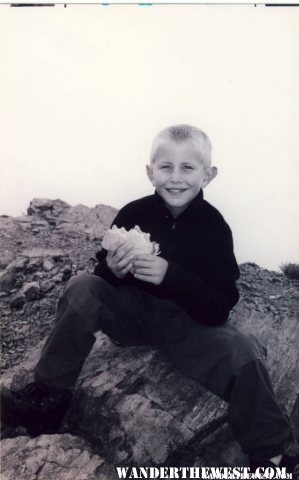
<point>290,463</point>
<point>38,410</point>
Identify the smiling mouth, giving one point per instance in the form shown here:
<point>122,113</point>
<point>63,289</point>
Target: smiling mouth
<point>176,191</point>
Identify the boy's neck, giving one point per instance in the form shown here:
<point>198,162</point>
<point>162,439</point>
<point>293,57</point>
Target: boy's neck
<point>175,212</point>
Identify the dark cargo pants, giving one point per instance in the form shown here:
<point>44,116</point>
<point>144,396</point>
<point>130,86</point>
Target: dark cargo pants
<point>224,360</point>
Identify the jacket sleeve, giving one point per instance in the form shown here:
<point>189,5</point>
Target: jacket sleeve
<point>101,268</point>
<point>209,296</point>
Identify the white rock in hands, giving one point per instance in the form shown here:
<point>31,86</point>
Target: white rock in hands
<point>135,237</point>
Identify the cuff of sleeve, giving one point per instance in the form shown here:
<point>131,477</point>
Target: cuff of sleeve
<point>171,280</point>
<point>102,270</point>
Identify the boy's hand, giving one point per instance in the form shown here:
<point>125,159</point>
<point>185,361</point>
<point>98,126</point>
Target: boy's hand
<point>120,260</point>
<point>149,268</point>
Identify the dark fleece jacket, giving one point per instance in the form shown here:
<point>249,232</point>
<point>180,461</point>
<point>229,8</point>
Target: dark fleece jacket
<point>198,247</point>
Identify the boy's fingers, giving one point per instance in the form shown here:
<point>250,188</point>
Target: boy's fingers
<point>142,264</point>
<point>122,253</point>
<point>145,257</point>
<point>145,278</point>
<point>128,256</point>
<point>143,271</point>
<point>127,268</point>
<point>144,261</point>
<point>123,263</point>
<point>156,280</point>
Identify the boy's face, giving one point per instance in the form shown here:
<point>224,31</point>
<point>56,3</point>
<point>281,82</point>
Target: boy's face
<point>178,174</point>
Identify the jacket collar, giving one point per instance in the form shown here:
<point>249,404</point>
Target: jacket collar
<point>194,206</point>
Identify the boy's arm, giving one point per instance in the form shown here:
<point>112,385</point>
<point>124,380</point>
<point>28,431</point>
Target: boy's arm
<point>210,296</point>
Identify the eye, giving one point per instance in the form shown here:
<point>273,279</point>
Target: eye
<point>187,167</point>
<point>164,167</point>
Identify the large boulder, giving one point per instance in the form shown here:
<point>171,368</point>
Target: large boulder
<point>136,409</point>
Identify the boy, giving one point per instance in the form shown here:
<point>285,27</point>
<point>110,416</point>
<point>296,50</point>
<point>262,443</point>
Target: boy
<point>178,301</point>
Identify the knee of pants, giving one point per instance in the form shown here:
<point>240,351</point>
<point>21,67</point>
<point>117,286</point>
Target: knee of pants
<point>241,349</point>
<point>80,288</point>
<point>84,281</point>
<point>76,283</point>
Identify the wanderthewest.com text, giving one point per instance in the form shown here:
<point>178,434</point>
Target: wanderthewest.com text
<point>208,473</point>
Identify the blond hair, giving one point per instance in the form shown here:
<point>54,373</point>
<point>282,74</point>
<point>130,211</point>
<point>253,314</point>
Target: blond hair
<point>184,133</point>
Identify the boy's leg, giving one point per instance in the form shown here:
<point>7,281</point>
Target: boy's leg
<point>88,304</point>
<point>231,365</point>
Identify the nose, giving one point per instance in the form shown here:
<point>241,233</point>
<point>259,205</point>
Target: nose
<point>175,176</point>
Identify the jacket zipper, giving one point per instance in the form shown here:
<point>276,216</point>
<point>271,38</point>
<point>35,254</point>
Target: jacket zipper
<point>173,225</point>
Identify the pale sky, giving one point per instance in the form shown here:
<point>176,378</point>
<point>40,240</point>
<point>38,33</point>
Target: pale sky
<point>84,89</point>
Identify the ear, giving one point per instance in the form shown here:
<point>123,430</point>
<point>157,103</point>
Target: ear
<point>210,175</point>
<point>149,171</point>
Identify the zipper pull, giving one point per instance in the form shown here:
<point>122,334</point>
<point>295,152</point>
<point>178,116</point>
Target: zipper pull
<point>173,225</point>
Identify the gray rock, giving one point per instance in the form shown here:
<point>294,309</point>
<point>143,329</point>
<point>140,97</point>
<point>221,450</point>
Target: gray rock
<point>6,257</point>
<point>7,225</point>
<point>18,300</point>
<point>33,264</point>
<point>25,219</point>
<point>40,275</point>
<point>46,209</point>
<point>105,214</point>
<point>39,222</point>
<point>66,272</point>
<point>46,286</point>
<point>8,280</point>
<point>48,264</point>
<point>18,265</point>
<point>93,221</point>
<point>59,457</point>
<point>133,405</point>
<point>135,401</point>
<point>58,278</point>
<point>75,215</point>
<point>43,253</point>
<point>31,291</point>
<point>280,337</point>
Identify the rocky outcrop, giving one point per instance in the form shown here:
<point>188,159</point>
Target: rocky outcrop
<point>38,253</point>
<point>131,405</point>
<point>59,214</point>
<point>59,457</point>
<point>136,409</point>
